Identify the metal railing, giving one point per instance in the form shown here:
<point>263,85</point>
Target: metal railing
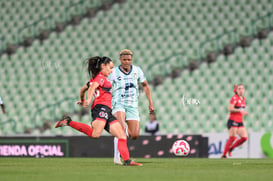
<point>215,44</point>
<point>218,43</point>
<point>10,120</point>
<point>32,30</point>
<point>162,65</point>
<point>263,22</point>
<point>53,109</point>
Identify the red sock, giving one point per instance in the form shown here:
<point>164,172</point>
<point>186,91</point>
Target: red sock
<point>239,142</point>
<point>229,144</point>
<point>84,128</point>
<point>123,149</point>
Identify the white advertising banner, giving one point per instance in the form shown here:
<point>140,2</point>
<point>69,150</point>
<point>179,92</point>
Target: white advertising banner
<point>217,142</point>
<point>255,149</point>
<point>252,148</point>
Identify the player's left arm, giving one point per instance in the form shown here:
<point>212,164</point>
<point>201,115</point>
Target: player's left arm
<point>147,91</point>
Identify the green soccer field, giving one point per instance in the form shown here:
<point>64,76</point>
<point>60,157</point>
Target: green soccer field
<point>79,169</point>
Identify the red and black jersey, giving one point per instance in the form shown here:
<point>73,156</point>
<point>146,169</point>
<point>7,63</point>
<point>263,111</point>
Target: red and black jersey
<point>238,104</point>
<point>102,94</point>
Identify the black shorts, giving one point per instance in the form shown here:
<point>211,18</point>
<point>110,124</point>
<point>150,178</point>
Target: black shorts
<point>103,113</point>
<point>232,123</point>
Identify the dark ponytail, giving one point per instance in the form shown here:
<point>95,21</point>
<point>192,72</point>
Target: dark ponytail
<point>94,65</point>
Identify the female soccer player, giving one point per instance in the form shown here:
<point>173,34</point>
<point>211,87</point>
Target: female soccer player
<point>125,79</point>
<point>235,122</point>
<point>99,86</point>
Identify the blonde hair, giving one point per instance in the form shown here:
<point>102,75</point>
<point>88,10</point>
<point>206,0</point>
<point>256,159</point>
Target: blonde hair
<point>126,52</point>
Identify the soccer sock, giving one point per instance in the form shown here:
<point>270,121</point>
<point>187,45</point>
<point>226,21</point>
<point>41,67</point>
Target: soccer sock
<point>229,144</point>
<point>239,142</point>
<point>123,149</point>
<point>116,152</point>
<point>84,128</point>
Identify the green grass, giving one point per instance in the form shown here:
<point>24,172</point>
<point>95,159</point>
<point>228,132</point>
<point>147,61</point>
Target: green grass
<point>81,169</point>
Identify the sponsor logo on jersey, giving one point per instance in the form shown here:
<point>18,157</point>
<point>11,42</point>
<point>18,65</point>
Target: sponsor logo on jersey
<point>128,86</point>
<point>103,115</point>
<point>235,123</point>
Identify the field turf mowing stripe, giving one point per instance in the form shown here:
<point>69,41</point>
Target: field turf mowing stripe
<point>159,169</point>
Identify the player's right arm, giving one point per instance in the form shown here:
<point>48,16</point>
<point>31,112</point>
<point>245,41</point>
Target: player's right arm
<point>82,93</point>
<point>90,93</point>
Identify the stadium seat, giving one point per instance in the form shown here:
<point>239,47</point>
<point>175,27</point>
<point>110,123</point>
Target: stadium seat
<point>256,75</point>
<point>52,70</point>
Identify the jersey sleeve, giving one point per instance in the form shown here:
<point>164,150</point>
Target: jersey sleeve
<point>141,76</point>
<point>233,100</point>
<point>99,79</point>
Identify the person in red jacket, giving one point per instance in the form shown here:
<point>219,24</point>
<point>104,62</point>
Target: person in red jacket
<point>99,87</point>
<point>235,121</point>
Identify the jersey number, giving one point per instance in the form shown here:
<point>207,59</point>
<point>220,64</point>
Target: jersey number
<point>96,93</point>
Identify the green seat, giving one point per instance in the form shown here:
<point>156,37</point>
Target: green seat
<point>152,39</point>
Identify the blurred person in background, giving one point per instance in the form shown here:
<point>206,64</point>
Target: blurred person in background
<point>152,127</point>
<point>2,106</point>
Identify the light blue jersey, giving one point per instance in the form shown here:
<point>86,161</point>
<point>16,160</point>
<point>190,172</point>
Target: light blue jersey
<point>125,86</point>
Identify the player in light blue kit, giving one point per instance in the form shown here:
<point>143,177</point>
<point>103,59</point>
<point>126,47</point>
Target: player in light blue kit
<point>125,79</point>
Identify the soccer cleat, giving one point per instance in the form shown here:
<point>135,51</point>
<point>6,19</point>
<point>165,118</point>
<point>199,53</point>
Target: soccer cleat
<point>64,122</point>
<point>224,156</point>
<point>117,161</point>
<point>230,152</point>
<point>135,164</point>
<point>131,163</point>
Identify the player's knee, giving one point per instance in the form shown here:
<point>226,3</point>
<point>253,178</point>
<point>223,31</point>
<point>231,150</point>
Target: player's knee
<point>134,134</point>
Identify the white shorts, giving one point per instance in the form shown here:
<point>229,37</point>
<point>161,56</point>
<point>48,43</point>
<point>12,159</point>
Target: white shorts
<point>131,113</point>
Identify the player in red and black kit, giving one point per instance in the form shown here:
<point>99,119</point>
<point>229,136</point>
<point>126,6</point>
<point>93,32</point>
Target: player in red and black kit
<point>99,86</point>
<point>235,121</point>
